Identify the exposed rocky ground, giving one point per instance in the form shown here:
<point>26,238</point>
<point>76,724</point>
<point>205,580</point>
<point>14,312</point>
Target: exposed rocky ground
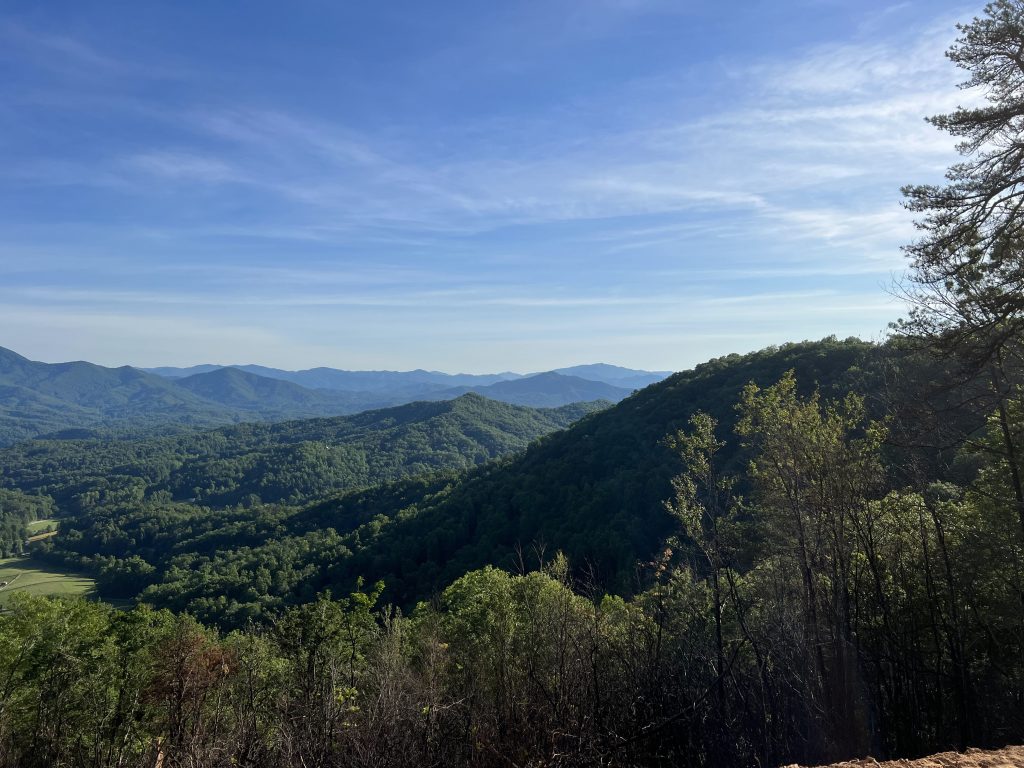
<point>1009,757</point>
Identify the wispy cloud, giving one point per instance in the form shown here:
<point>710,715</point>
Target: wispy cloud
<point>185,166</point>
<point>762,194</point>
<point>55,51</point>
<point>836,118</point>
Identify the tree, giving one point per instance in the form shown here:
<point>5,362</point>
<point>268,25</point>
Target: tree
<point>815,471</point>
<point>966,283</point>
<point>970,253</point>
<point>703,504</point>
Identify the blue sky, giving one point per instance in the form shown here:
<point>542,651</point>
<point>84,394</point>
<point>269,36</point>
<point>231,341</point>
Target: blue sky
<point>461,185</point>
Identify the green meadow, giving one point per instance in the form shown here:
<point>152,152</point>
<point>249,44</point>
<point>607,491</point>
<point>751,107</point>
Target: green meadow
<point>42,526</point>
<point>23,574</point>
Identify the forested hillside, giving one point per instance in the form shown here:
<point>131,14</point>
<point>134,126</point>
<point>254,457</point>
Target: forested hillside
<point>594,492</point>
<point>281,462</point>
<point>39,399</point>
<point>189,511</point>
<point>268,398</point>
<point>796,599</point>
<point>36,398</point>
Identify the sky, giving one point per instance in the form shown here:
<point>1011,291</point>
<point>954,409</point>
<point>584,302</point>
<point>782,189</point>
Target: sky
<point>461,186</point>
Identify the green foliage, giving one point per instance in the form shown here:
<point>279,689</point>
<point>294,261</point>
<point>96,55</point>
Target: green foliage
<point>595,491</point>
<point>966,278</point>
<point>17,511</point>
<point>287,462</point>
<point>829,612</point>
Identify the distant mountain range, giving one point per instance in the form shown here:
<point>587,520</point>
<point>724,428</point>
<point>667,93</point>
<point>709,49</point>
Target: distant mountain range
<point>542,390</point>
<point>628,378</point>
<point>351,381</point>
<point>80,399</point>
<point>37,398</point>
<point>235,388</point>
<point>421,380</point>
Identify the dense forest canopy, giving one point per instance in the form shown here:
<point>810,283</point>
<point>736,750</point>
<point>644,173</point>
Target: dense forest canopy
<point>805,605</point>
<point>284,461</point>
<point>197,522</point>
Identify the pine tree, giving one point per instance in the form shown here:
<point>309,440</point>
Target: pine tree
<point>966,281</point>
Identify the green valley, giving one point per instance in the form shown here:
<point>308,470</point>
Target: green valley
<point>372,543</point>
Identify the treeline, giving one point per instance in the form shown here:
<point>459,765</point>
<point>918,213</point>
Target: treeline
<point>17,510</point>
<point>822,615</point>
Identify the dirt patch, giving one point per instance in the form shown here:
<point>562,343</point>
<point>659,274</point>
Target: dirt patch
<point>1010,757</point>
<point>41,536</point>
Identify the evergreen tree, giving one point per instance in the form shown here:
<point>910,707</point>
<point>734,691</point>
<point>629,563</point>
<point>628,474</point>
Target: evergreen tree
<point>966,282</point>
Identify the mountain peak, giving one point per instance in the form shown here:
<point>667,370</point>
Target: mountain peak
<point>10,359</point>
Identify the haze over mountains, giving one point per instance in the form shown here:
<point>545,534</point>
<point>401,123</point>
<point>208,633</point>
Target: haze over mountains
<point>354,381</point>
<point>46,399</point>
<point>372,381</point>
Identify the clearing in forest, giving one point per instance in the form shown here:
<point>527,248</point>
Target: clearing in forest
<point>43,526</point>
<point>24,574</point>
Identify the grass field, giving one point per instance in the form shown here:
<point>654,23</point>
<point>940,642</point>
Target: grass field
<point>23,574</point>
<point>40,526</point>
